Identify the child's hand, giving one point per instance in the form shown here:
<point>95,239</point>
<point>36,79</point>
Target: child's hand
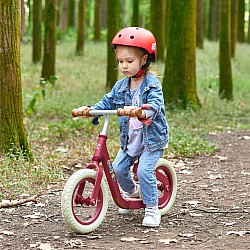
<point>81,111</point>
<point>128,109</point>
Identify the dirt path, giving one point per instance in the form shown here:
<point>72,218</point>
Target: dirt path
<point>212,211</point>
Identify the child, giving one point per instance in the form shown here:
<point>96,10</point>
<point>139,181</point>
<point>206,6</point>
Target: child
<point>145,138</point>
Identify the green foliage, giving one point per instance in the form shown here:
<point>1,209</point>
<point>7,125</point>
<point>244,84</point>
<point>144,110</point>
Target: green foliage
<point>60,142</point>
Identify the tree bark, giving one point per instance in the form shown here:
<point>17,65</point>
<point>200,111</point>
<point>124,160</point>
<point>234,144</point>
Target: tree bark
<point>135,15</point>
<point>157,19</point>
<point>71,14</point>
<point>37,31</point>
<point>13,140</point>
<point>64,16</point>
<point>112,25</point>
<point>81,27</point>
<point>234,25</point>
<point>213,20</point>
<point>179,84</point>
<point>200,24</point>
<point>241,21</point>
<point>97,22</point>
<point>49,57</point>
<point>226,84</point>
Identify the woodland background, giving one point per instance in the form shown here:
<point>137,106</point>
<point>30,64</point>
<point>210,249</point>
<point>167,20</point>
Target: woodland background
<point>55,56</point>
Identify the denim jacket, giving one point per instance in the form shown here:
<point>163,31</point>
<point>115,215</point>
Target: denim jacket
<point>155,132</point>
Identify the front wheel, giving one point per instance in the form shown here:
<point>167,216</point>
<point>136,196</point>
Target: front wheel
<point>167,185</point>
<point>78,212</point>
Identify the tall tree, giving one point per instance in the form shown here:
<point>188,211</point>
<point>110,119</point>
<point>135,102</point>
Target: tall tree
<point>97,21</point>
<point>226,83</point>
<point>241,21</point>
<point>71,14</point>
<point>64,16</point>
<point>22,20</point>
<point>37,31</point>
<point>213,23</point>
<point>248,33</point>
<point>234,25</point>
<point>135,15</point>
<point>179,84</point>
<point>49,57</point>
<point>12,133</point>
<point>112,24</point>
<point>81,27</point>
<point>200,24</point>
<point>157,19</point>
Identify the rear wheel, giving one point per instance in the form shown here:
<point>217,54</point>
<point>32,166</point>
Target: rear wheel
<point>79,212</point>
<point>166,183</point>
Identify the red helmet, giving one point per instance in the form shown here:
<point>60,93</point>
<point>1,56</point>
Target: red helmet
<point>136,37</point>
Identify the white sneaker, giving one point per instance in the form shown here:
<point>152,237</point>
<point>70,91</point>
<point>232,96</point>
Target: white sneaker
<point>135,194</point>
<point>152,217</point>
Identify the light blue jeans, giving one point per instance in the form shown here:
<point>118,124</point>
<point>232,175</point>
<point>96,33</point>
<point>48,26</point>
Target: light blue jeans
<point>145,173</point>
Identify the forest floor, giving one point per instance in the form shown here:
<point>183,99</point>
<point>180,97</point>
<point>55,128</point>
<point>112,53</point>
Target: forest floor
<point>211,211</point>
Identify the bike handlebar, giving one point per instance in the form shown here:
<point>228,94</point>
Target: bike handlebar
<point>137,112</point>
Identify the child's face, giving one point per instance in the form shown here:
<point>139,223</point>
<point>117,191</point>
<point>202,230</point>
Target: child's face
<point>130,60</point>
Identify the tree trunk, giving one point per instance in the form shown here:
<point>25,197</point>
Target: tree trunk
<point>22,20</point>
<point>81,27</point>
<point>248,33</point>
<point>71,14</point>
<point>37,31</point>
<point>64,16</point>
<point>112,24</point>
<point>157,19</point>
<point>97,21</point>
<point>135,15</point>
<point>213,20</point>
<point>241,21</point>
<point>179,84</point>
<point>49,57</point>
<point>226,85</point>
<point>200,24</point>
<point>234,25</point>
<point>13,138</point>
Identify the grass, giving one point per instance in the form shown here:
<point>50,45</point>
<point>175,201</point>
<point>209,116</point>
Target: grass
<point>60,143</point>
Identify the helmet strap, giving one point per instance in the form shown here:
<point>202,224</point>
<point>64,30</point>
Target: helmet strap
<point>138,74</point>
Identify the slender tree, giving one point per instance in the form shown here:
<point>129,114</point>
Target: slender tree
<point>213,23</point>
<point>64,16</point>
<point>37,31</point>
<point>112,24</point>
<point>179,84</point>
<point>234,25</point>
<point>12,133</point>
<point>157,19</point>
<point>200,24</point>
<point>22,20</point>
<point>49,57</point>
<point>81,27</point>
<point>135,15</point>
<point>241,21</point>
<point>97,21</point>
<point>248,33</point>
<point>226,83</point>
<point>71,14</point>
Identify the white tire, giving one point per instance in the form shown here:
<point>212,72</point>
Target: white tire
<point>168,183</point>
<point>75,216</point>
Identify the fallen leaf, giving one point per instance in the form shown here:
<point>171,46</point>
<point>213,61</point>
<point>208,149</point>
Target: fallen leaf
<point>45,246</point>
<point>221,158</point>
<point>239,233</point>
<point>187,235</point>
<point>168,241</point>
<point>214,177</point>
<point>193,203</point>
<point>5,232</point>
<point>129,239</point>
